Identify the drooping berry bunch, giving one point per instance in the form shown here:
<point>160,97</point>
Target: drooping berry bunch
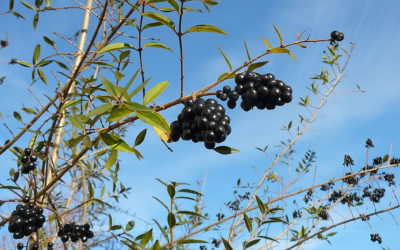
<point>201,121</point>
<point>255,90</point>
<point>28,161</point>
<point>73,232</point>
<point>376,237</point>
<point>26,219</point>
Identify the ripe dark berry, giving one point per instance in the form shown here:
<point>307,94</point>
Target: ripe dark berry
<point>33,158</point>
<point>18,235</point>
<point>24,159</point>
<point>90,234</point>
<point>286,96</point>
<point>189,102</point>
<point>260,105</point>
<point>245,106</point>
<point>211,102</point>
<point>272,84</point>
<point>233,95</point>
<point>263,91</point>
<point>240,89</point>
<point>249,85</point>
<point>31,166</point>
<point>31,205</point>
<point>239,78</point>
<point>25,199</point>
<point>223,97</point>
<point>281,85</point>
<point>35,246</point>
<point>209,145</point>
<point>64,238</point>
<point>186,134</point>
<point>274,93</point>
<point>251,95</point>
<point>20,246</point>
<point>219,93</point>
<point>209,136</point>
<point>226,89</point>
<point>84,238</point>
<point>250,76</point>
<point>279,102</point>
<point>27,151</point>
<point>231,104</point>
<point>198,107</point>
<point>212,125</point>
<point>50,244</point>
<point>337,36</point>
<point>219,108</point>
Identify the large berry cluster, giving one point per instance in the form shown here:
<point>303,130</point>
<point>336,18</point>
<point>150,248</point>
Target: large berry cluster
<point>255,90</point>
<point>201,121</point>
<point>28,161</point>
<point>75,232</point>
<point>25,219</point>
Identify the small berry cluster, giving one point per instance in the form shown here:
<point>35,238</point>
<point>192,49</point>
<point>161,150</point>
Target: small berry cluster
<point>308,196</point>
<point>351,180</point>
<point>323,214</point>
<point>75,232</point>
<point>26,219</point>
<point>337,36</point>
<point>348,161</point>
<point>201,121</point>
<point>296,214</point>
<point>375,195</point>
<point>327,186</point>
<point>255,90</point>
<point>28,160</point>
<point>351,198</point>
<point>376,237</point>
<point>389,178</point>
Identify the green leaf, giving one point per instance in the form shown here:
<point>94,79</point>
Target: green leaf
<point>226,58</point>
<point>385,158</point>
<point>190,241</point>
<point>116,143</point>
<point>112,158</point>
<point>160,18</point>
<point>130,225</point>
<point>23,63</point>
<point>110,88</point>
<point>114,46</point>
<point>267,43</point>
<point>29,111</point>
<point>225,150</point>
<point>251,243</point>
<point>140,137</point>
<point>75,122</point>
<point>248,223</point>
<point>279,50</point>
<point>28,5</point>
<point>35,20</point>
<point>101,109</point>
<point>171,220</point>
<point>17,116</point>
<point>190,191</point>
<point>191,213</point>
<point>11,4</point>
<point>279,34</point>
<point>49,41</point>
<point>174,4</point>
<point>226,244</point>
<point>138,88</point>
<point>205,28</point>
<point>157,121</point>
<point>247,51</point>
<point>260,204</point>
<point>171,191</point>
<point>42,76</point>
<point>115,227</point>
<point>150,25</point>
<point>154,92</point>
<point>157,45</point>
<point>36,54</point>
<point>118,113</point>
<point>257,65</point>
<point>44,63</point>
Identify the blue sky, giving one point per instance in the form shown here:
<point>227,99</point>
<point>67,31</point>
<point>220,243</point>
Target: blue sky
<point>341,128</point>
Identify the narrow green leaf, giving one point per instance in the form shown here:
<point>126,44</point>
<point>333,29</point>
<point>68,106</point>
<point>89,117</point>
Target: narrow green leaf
<point>138,88</point>
<point>160,18</point>
<point>251,243</point>
<point>115,227</point>
<point>190,213</point>
<point>279,50</point>
<point>112,158</point>
<point>116,143</point>
<point>28,5</point>
<point>11,4</point>
<point>140,137</point>
<point>118,113</point>
<point>174,4</point>
<point>29,111</point>
<point>110,88</point>
<point>36,54</point>
<point>102,109</point>
<point>205,28</point>
<point>225,150</point>
<point>150,25</point>
<point>190,191</point>
<point>154,92</point>
<point>75,122</point>
<point>17,116</point>
<point>248,223</point>
<point>42,76</point>
<point>128,85</point>
<point>130,225</point>
<point>247,51</point>
<point>49,41</point>
<point>226,244</point>
<point>267,43</point>
<point>114,46</point>
<point>171,191</point>
<point>279,35</point>
<point>171,220</point>
<point>260,204</point>
<point>156,45</point>
<point>190,241</point>
<point>23,63</point>
<point>35,20</point>
<point>161,202</point>
<point>256,65</point>
<point>226,59</point>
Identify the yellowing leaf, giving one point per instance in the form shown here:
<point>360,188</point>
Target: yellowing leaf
<point>155,91</point>
<point>205,28</point>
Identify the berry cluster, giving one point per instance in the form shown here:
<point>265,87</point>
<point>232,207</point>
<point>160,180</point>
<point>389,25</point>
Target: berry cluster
<point>308,196</point>
<point>348,161</point>
<point>337,36</point>
<point>323,214</point>
<point>351,198</point>
<point>75,232</point>
<point>376,237</point>
<point>28,161</point>
<point>375,195</point>
<point>25,219</point>
<point>255,90</point>
<point>201,120</point>
<point>34,246</point>
<point>389,178</point>
<point>351,180</point>
<point>327,186</point>
<point>296,214</point>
